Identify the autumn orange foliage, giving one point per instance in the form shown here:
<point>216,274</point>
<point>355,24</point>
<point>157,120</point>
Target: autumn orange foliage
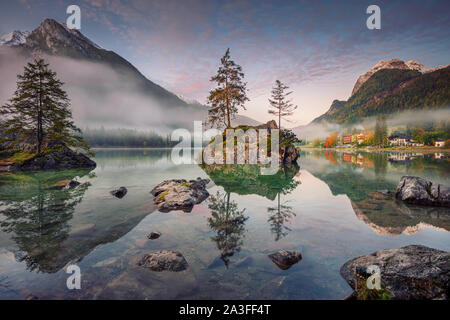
<point>331,140</point>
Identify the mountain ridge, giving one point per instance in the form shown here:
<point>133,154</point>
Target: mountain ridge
<point>387,90</point>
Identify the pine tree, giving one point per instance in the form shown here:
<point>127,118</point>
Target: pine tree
<point>39,113</point>
<point>230,94</point>
<point>282,107</point>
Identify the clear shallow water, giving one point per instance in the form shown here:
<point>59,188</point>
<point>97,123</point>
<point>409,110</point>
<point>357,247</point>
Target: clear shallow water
<point>326,209</point>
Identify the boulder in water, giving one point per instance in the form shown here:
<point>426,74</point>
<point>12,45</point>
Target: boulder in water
<point>420,191</point>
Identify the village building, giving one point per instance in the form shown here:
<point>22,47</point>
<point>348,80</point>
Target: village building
<point>347,140</point>
<point>360,138</point>
<point>439,143</point>
<point>403,140</point>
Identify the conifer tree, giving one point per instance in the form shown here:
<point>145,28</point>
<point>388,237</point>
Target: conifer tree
<point>281,106</point>
<point>230,93</point>
<point>381,134</point>
<point>39,113</point>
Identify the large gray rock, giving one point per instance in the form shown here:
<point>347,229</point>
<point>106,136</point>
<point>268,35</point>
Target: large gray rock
<point>420,191</point>
<point>411,272</point>
<point>164,260</point>
<point>179,194</point>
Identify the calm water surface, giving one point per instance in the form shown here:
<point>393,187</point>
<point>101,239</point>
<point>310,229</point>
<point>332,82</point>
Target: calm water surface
<point>326,208</point>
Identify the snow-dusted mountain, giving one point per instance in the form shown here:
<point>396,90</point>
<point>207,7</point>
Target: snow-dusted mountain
<point>393,64</point>
<point>14,38</point>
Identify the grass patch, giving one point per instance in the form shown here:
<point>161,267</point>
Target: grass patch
<point>161,196</point>
<point>17,158</point>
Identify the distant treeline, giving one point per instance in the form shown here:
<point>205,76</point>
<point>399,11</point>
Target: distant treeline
<point>126,138</point>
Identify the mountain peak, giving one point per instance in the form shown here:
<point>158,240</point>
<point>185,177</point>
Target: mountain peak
<point>53,37</point>
<point>14,38</point>
<point>415,65</point>
<point>385,64</point>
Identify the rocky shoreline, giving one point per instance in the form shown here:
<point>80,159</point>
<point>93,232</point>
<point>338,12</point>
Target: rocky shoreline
<point>63,158</point>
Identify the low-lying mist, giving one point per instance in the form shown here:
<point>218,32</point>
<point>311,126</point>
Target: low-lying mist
<point>402,119</point>
<point>103,97</point>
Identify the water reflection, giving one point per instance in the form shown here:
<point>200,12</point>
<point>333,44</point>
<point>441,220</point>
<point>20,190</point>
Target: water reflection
<point>38,217</point>
<point>279,217</point>
<point>388,216</point>
<point>228,223</point>
<point>360,175</point>
<point>46,226</point>
<point>247,179</point>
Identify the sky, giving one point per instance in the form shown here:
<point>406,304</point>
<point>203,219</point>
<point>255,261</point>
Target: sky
<point>318,48</point>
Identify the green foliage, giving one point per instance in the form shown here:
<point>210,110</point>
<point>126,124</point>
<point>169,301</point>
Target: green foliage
<point>39,112</point>
<point>230,94</point>
<point>373,294</point>
<point>288,137</point>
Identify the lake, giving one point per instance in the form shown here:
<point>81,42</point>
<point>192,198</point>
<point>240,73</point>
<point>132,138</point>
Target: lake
<point>328,208</point>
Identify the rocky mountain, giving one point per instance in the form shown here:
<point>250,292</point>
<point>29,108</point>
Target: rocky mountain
<point>14,38</point>
<point>391,64</point>
<point>390,87</point>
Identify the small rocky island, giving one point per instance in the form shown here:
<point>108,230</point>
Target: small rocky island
<point>59,157</point>
<point>288,153</point>
<point>36,133</point>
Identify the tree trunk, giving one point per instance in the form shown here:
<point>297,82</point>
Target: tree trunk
<point>279,120</point>
<point>228,103</point>
<point>39,124</point>
<point>39,133</point>
<point>279,114</point>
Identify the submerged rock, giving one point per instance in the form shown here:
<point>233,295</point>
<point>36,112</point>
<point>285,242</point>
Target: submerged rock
<point>179,194</point>
<point>154,235</point>
<point>416,190</point>
<point>164,260</point>
<point>119,193</point>
<point>284,259</point>
<point>411,272</point>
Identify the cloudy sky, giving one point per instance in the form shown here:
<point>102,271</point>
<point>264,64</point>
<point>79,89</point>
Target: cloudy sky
<point>319,48</point>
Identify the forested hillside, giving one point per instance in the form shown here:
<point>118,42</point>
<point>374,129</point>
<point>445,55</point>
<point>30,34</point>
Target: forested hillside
<point>392,90</point>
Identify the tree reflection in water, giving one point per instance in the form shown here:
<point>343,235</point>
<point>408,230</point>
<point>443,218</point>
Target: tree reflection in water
<point>38,218</point>
<point>279,216</point>
<point>228,222</point>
